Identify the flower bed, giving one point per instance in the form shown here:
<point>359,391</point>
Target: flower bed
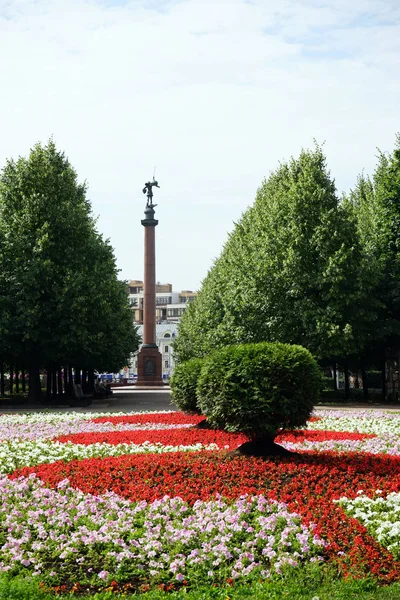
<point>149,499</point>
<point>380,515</point>
<point>172,437</point>
<point>70,531</point>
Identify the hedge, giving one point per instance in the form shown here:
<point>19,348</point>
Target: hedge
<point>184,383</point>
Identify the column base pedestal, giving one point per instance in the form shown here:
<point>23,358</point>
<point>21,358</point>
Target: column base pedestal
<point>149,367</point>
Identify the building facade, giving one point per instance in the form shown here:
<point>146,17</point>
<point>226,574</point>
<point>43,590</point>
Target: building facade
<point>170,307</point>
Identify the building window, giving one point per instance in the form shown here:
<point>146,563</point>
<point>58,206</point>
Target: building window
<point>163,299</point>
<point>165,348</point>
<point>166,335</point>
<point>175,312</point>
<point>166,364</point>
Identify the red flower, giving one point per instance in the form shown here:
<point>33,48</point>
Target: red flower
<point>170,437</point>
<point>320,436</point>
<point>168,418</point>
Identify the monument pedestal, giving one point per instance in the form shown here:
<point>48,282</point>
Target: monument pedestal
<point>149,366</point>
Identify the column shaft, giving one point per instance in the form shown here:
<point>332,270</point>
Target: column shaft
<point>149,299</point>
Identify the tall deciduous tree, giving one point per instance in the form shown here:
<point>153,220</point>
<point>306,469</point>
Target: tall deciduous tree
<point>288,271</point>
<point>60,295</point>
<point>375,203</point>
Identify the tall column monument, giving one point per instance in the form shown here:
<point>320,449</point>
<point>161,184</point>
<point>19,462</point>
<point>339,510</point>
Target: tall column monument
<point>149,358</point>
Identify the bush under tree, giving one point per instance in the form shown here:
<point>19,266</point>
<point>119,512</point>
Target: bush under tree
<point>259,389</point>
<point>184,384</point>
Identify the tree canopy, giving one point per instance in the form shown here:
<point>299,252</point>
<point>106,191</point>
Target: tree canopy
<point>375,206</point>
<point>60,297</point>
<point>287,273</point>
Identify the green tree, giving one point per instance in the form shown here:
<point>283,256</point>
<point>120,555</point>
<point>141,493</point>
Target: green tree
<point>286,272</point>
<point>60,295</point>
<point>375,204</point>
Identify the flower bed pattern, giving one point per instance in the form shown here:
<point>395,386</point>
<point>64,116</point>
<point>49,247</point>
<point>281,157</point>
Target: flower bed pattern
<point>148,499</point>
<point>380,515</point>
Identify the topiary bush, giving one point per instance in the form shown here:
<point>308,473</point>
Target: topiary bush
<point>184,384</point>
<point>257,389</point>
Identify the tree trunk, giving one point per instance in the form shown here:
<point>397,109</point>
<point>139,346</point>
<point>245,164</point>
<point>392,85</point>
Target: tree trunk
<point>383,376</point>
<point>346,381</point>
<point>34,392</point>
<point>17,379</point>
<point>23,380</point>
<point>77,375</point>
<point>84,381</point>
<point>38,383</point>
<point>66,381</point>
<point>334,377</point>
<point>356,381</point>
<point>11,380</point>
<point>54,379</point>
<point>2,386</point>
<point>59,382</point>
<point>48,381</point>
<point>90,381</point>
<point>364,383</point>
<point>69,380</point>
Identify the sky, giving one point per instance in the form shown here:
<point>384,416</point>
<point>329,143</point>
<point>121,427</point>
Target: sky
<point>213,94</point>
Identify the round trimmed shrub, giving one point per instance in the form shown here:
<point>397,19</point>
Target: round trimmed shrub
<point>184,383</point>
<point>258,388</point>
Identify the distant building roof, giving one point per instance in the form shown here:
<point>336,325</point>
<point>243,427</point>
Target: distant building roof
<point>161,329</point>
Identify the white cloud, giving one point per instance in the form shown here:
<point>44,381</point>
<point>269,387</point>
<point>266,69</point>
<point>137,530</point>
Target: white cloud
<point>214,93</point>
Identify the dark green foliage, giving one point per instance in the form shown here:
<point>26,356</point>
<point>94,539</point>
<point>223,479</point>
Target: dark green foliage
<point>258,388</point>
<point>60,298</point>
<point>184,383</point>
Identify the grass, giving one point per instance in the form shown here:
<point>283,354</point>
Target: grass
<point>312,583</point>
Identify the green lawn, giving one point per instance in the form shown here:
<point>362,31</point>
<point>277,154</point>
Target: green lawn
<point>313,583</point>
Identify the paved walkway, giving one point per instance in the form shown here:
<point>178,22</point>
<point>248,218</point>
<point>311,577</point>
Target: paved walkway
<point>122,400</point>
<point>132,399</point>
<point>359,406</point>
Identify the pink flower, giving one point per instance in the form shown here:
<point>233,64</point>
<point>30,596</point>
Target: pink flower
<point>103,574</point>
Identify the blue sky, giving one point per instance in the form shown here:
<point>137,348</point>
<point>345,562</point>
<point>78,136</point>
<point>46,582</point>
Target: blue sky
<point>212,93</point>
